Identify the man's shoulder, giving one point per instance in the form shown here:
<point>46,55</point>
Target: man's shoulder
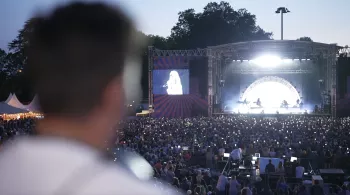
<point>114,180</point>
<point>70,168</point>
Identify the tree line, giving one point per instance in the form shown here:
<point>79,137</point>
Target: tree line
<point>218,23</point>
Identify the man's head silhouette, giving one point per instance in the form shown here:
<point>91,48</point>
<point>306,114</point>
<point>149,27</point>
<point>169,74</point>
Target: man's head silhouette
<point>76,61</point>
<point>81,60</point>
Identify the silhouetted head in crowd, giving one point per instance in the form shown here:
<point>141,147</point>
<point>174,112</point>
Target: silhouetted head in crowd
<point>245,191</point>
<point>77,57</point>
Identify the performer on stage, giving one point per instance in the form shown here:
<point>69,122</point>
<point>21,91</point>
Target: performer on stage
<point>284,104</point>
<point>301,104</point>
<point>258,102</point>
<point>245,102</point>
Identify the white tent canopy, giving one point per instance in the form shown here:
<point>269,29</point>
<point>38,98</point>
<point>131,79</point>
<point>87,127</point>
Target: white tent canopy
<point>33,106</point>
<point>7,109</point>
<point>9,98</point>
<point>13,101</point>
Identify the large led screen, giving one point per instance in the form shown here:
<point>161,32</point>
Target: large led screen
<point>171,82</point>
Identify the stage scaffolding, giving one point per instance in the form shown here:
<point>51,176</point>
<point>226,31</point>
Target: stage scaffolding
<point>286,49</point>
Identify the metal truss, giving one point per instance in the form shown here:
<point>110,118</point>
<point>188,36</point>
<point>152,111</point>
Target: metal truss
<point>211,63</point>
<point>288,71</point>
<point>150,75</point>
<point>283,48</point>
<point>195,52</point>
<point>333,87</point>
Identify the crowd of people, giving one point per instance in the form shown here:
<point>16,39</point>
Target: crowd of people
<point>170,143</point>
<point>185,152</point>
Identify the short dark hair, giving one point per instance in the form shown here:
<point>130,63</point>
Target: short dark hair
<point>74,53</point>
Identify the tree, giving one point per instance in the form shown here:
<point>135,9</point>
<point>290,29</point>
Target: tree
<point>18,46</point>
<point>159,42</point>
<point>218,24</point>
<point>6,63</point>
<point>304,39</point>
<point>9,77</point>
<point>13,64</point>
<point>3,55</point>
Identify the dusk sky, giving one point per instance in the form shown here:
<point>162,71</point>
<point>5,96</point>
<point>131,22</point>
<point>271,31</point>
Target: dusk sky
<point>323,20</point>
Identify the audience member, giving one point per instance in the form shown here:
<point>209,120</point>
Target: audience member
<point>221,185</point>
<point>299,171</point>
<point>270,168</point>
<point>316,189</point>
<point>234,186</point>
<point>280,168</point>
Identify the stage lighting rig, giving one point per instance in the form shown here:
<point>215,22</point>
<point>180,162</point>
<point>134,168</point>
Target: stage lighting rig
<point>267,61</point>
<point>344,52</point>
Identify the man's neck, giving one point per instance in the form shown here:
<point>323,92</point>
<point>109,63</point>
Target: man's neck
<point>80,130</point>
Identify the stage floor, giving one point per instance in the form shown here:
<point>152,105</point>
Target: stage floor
<point>264,110</point>
<point>269,111</point>
<point>270,115</point>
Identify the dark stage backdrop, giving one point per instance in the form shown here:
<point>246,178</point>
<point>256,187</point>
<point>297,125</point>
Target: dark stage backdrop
<point>193,104</point>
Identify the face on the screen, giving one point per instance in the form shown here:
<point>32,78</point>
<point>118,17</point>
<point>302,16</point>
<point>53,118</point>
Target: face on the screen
<point>171,82</point>
<point>173,76</point>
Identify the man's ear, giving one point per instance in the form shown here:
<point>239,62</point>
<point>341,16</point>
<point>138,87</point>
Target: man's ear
<point>113,98</point>
<point>132,80</point>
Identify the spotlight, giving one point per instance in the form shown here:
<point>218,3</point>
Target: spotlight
<point>268,61</point>
<point>287,61</point>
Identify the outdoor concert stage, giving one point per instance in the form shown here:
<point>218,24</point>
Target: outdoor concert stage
<point>276,73</point>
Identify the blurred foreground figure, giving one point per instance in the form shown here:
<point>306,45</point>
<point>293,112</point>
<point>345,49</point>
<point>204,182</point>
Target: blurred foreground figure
<point>76,61</point>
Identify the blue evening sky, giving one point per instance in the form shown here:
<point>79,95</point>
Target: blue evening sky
<point>323,20</point>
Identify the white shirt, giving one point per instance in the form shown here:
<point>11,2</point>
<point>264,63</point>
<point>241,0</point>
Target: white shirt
<point>236,154</point>
<point>43,165</point>
<point>299,171</point>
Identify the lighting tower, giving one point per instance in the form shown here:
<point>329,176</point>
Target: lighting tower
<point>282,10</point>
